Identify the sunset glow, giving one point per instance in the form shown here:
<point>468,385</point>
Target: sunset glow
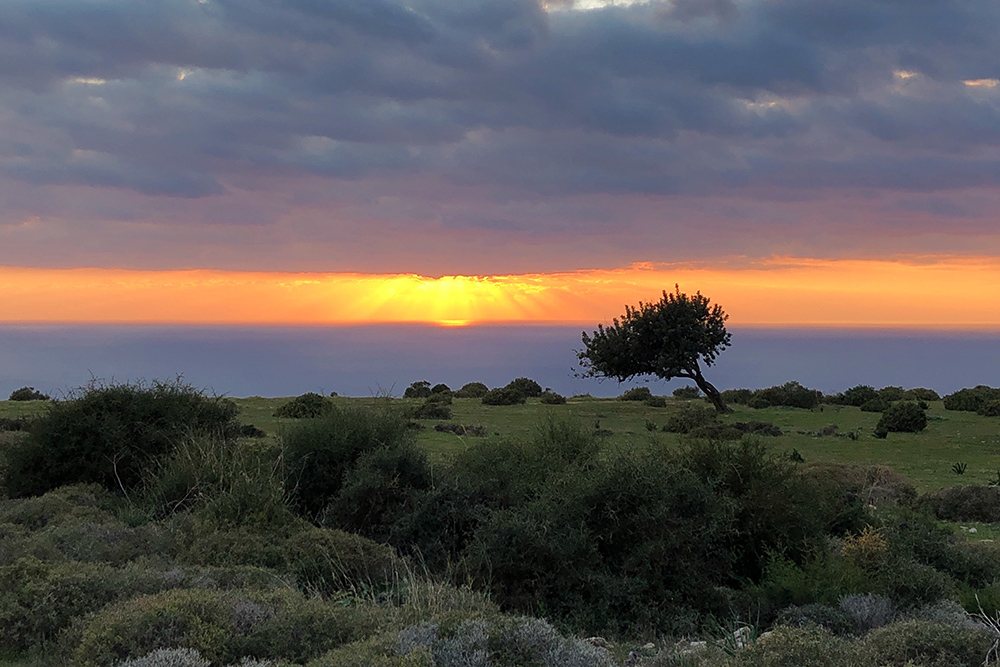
<point>915,292</point>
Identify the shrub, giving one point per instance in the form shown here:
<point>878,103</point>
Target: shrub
<point>867,550</point>
<point>168,657</point>
<point>307,406</point>
<point>435,406</point>
<point>319,452</point>
<point>525,387</point>
<point>791,394</point>
<point>737,396</point>
<point>112,435</point>
<point>921,394</point>
<point>877,404</point>
<point>326,561</point>
<point>222,626</point>
<point>892,394</point>
<point>990,409</point>
<point>690,417</point>
<point>441,388</point>
<point>687,393</point>
<point>550,397</point>
<point>28,394</point>
<point>472,390</point>
<point>868,611</point>
<point>971,400</point>
<point>964,503</point>
<point>503,396</point>
<point>636,394</point>
<point>230,482</point>
<point>857,395</point>
<point>419,389</point>
<point>833,619</point>
<point>903,417</point>
<point>716,431</point>
<point>378,489</point>
<point>798,647</point>
<point>926,644</point>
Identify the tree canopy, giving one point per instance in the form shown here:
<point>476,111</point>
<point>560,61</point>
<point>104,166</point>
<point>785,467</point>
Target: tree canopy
<point>667,339</point>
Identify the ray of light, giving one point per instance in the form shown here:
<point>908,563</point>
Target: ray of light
<point>915,292</point>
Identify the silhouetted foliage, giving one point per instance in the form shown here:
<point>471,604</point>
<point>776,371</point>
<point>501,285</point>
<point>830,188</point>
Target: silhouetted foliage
<point>667,339</point>
<point>636,394</point>
<point>306,406</point>
<point>503,396</point>
<point>791,394</point>
<point>971,400</point>
<point>525,387</point>
<point>550,397</point>
<point>441,388</point>
<point>419,389</point>
<point>472,390</point>
<point>688,393</point>
<point>112,434</point>
<point>28,394</point>
<point>903,417</point>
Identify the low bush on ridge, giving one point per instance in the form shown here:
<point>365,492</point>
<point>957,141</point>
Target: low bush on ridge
<point>307,406</point>
<point>112,434</point>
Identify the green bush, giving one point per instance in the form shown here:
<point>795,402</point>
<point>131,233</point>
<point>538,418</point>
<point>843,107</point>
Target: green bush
<point>435,406</point>
<point>550,397</point>
<point>472,390</point>
<point>28,394</point>
<point>172,657</point>
<point>964,503</point>
<point>791,394</point>
<point>112,435</point>
<point>319,452</point>
<point>307,406</point>
<point>379,488</point>
<point>327,561</point>
<point>656,402</point>
<point>690,417</point>
<point>38,600</point>
<point>223,626</point>
<point>737,396</point>
<point>833,619</point>
<point>525,387</point>
<point>892,394</point>
<point>971,400</point>
<point>921,394</point>
<point>687,393</point>
<point>441,388</point>
<point>419,389</point>
<point>636,394</point>
<point>903,417</point>
<point>857,395</point>
<point>990,409</point>
<point>79,503</point>
<point>229,482</point>
<point>877,404</point>
<point>810,646</point>
<point>926,644</point>
<point>503,396</point>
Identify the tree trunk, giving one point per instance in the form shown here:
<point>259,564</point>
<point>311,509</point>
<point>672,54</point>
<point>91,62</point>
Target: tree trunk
<point>711,393</point>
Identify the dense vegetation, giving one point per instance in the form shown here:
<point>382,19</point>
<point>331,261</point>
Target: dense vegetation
<point>143,527</point>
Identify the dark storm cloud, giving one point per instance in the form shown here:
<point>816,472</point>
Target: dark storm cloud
<point>505,99</point>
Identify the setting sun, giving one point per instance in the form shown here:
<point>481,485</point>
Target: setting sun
<point>918,292</point>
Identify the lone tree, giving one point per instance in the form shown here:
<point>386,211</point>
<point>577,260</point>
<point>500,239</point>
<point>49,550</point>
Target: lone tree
<point>667,339</point>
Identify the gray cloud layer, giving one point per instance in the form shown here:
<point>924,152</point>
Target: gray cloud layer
<point>411,117</point>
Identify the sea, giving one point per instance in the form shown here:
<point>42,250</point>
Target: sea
<point>384,359</point>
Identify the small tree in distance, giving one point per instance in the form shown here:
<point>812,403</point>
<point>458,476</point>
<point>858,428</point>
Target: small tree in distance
<point>667,339</point>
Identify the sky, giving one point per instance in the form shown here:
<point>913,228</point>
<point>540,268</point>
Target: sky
<point>801,162</point>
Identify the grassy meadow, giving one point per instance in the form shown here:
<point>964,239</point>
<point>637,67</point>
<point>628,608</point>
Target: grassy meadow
<point>926,458</point>
<point>578,534</point>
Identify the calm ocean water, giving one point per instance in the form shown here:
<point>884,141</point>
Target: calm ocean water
<point>365,360</point>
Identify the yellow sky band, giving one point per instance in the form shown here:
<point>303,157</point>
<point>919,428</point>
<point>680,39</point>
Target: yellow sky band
<point>935,292</point>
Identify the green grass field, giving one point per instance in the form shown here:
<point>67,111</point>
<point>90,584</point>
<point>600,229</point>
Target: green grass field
<point>926,458</point>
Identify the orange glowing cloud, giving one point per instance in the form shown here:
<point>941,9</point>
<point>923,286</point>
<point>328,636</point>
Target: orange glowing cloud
<point>917,292</point>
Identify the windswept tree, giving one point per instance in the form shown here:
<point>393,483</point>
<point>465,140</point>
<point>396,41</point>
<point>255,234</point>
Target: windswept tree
<point>668,339</point>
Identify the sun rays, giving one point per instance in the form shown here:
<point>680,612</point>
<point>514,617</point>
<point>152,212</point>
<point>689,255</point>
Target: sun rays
<point>913,292</point>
